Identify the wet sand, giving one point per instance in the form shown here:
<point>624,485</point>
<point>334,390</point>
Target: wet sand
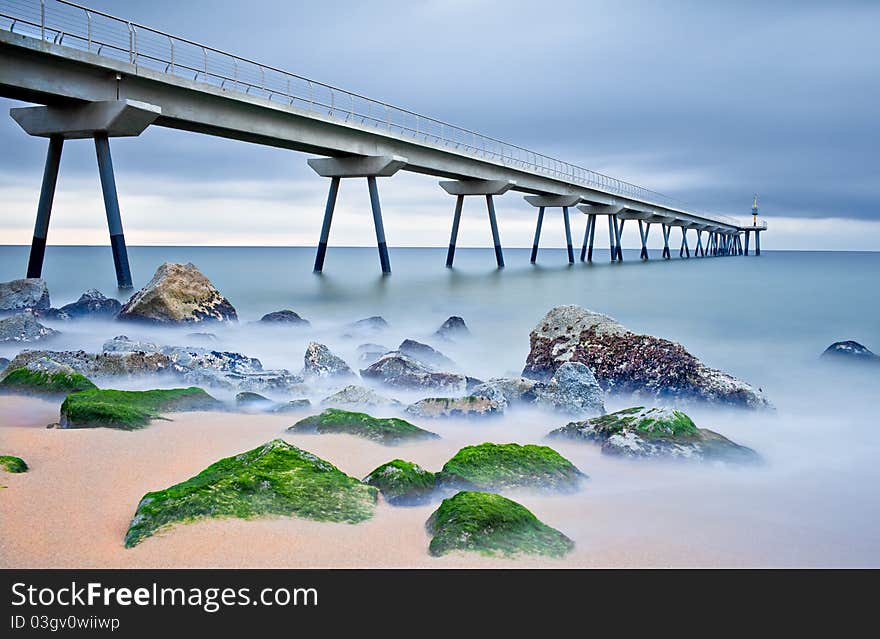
<point>73,507</point>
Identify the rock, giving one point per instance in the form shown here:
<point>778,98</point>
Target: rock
<point>358,397</point>
<point>202,337</point>
<point>510,390</point>
<point>130,410</point>
<point>655,433</point>
<point>491,525</point>
<point>501,466</point>
<point>850,351</point>
<point>13,464</point>
<point>374,324</point>
<point>61,381</point>
<point>178,294</point>
<point>320,362</point>
<point>248,399</point>
<point>402,483</point>
<point>625,362</point>
<point>275,479</point>
<point>92,303</point>
<point>286,316</point>
<point>24,327</point>
<point>369,353</point>
<point>400,371</point>
<point>291,406</point>
<point>424,354</point>
<point>573,390</point>
<point>92,365</point>
<point>388,431</point>
<point>29,294</point>
<point>468,406</point>
<point>452,328</point>
<point>4,362</point>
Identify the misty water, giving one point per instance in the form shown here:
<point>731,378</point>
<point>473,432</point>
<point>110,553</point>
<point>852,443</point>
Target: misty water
<point>814,501</point>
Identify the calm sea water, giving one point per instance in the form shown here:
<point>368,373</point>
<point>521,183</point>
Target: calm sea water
<point>765,319</point>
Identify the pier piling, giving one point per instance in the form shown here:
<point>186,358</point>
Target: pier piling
<point>44,208</point>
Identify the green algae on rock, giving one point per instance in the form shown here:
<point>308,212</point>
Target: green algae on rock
<point>641,432</point>
<point>402,483</point>
<point>492,525</point>
<point>388,430</point>
<point>13,464</point>
<point>37,382</point>
<point>275,479</point>
<point>129,410</point>
<point>498,466</point>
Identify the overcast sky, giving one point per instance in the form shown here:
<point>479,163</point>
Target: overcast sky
<point>703,102</point>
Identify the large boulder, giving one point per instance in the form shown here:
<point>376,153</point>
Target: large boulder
<point>452,328</point>
<point>400,371</point>
<point>275,479</point>
<point>850,351</point>
<point>626,362</point>
<point>491,525</point>
<point>320,362</point>
<point>24,327</point>
<point>655,433</point>
<point>510,390</point>
<point>29,294</point>
<point>178,294</point>
<point>130,410</point>
<point>94,365</point>
<point>424,354</point>
<point>383,430</point>
<point>360,397</point>
<point>34,381</point>
<point>285,316</point>
<point>573,390</point>
<point>92,304</point>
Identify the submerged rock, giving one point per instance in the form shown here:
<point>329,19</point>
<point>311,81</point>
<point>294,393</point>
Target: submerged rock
<point>388,431</point>
<point>402,483</point>
<point>24,327</point>
<point>178,294</point>
<point>655,433</point>
<point>400,371</point>
<point>573,390</point>
<point>625,362</point>
<point>424,354</point>
<point>4,362</point>
<point>850,351</point>
<point>491,525</point>
<point>13,464</point>
<point>501,466</point>
<point>452,328</point>
<point>320,362</point>
<point>60,381</point>
<point>247,399</point>
<point>130,410</point>
<point>369,353</point>
<point>92,304</point>
<point>285,316</point>
<point>510,390</point>
<point>270,480</point>
<point>291,406</point>
<point>374,324</point>
<point>30,294</point>
<point>202,337</point>
<point>354,396</point>
<point>468,406</point>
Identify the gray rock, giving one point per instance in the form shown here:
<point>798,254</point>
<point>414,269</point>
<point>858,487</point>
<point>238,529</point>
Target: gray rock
<point>247,399</point>
<point>202,337</point>
<point>91,304</point>
<point>359,397</point>
<point>369,353</point>
<point>624,362</point>
<point>4,362</point>
<point>291,406</point>
<point>95,365</point>
<point>510,390</point>
<point>850,351</point>
<point>452,328</point>
<point>425,354</point>
<point>23,295</point>
<point>178,294</point>
<point>24,327</point>
<point>399,371</point>
<point>573,390</point>
<point>468,406</point>
<point>320,362</point>
<point>374,324</point>
<point>285,316</point>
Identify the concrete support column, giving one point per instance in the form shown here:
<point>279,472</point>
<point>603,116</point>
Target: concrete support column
<point>612,237</point>
<point>644,229</point>
<point>699,248</point>
<point>453,237</point>
<point>747,242</point>
<point>618,233</point>
<point>757,242</point>
<point>684,250</point>
<point>377,222</point>
<point>44,208</point>
<point>568,234</point>
<point>666,231</point>
<point>325,227</point>
<point>487,188</point>
<point>111,206</point>
<point>537,239</point>
<point>589,234</point>
<point>499,256</point>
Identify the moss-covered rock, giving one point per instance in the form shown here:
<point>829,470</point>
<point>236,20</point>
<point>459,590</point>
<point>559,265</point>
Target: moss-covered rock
<point>499,466</point>
<point>129,410</point>
<point>13,464</point>
<point>388,430</point>
<point>37,382</point>
<point>492,525</point>
<point>402,483</point>
<point>640,432</point>
<point>273,479</point>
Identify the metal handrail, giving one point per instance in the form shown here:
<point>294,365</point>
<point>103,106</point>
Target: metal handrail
<point>120,39</point>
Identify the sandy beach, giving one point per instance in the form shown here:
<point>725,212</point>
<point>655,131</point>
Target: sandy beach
<point>73,507</point>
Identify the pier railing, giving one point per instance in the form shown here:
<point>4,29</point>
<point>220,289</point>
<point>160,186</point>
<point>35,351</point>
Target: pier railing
<point>72,25</point>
